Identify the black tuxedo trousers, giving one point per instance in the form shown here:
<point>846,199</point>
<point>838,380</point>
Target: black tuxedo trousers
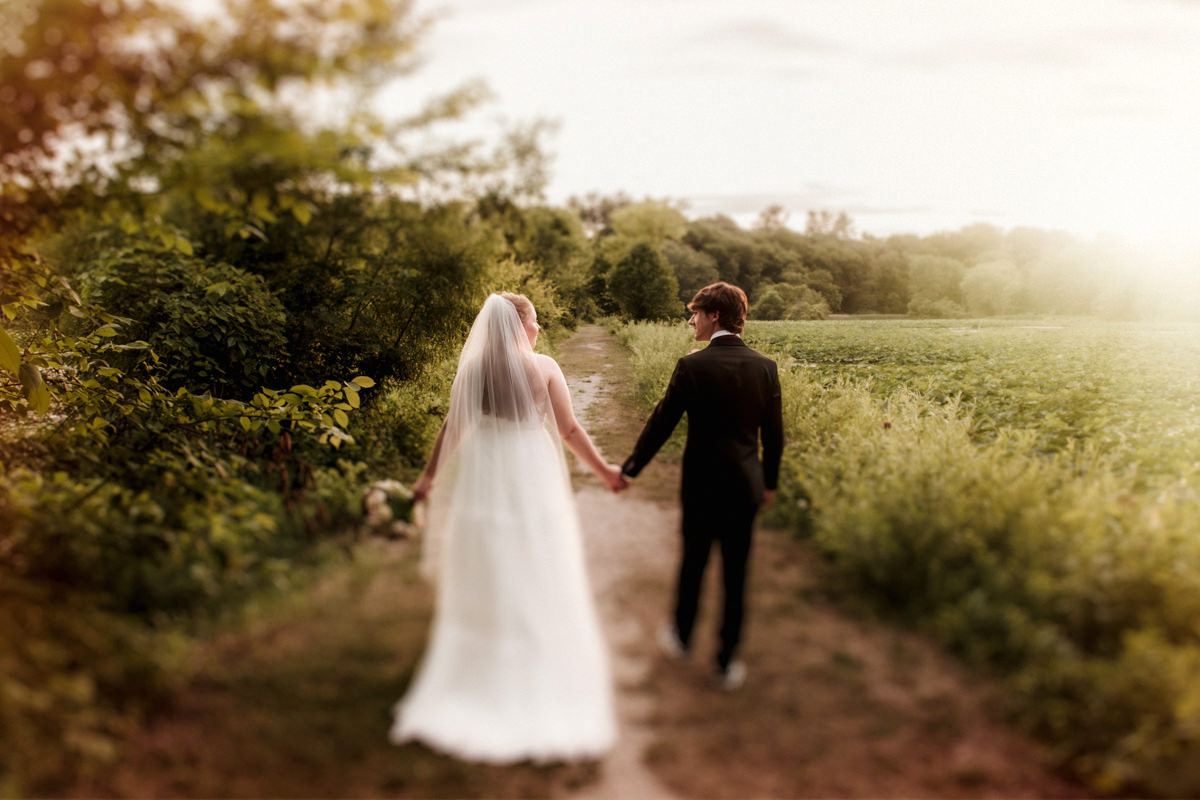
<point>732,399</point>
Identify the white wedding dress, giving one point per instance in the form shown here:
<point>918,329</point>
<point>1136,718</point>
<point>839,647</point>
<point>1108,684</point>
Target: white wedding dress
<point>516,667</point>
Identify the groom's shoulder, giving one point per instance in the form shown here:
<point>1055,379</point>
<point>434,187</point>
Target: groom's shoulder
<point>744,351</point>
<point>759,356</point>
<point>760,361</point>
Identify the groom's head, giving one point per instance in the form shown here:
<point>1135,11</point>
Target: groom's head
<point>724,300</point>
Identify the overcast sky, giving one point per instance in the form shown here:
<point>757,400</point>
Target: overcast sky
<point>911,115</point>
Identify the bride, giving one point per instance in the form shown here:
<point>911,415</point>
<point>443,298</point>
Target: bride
<point>515,667</point>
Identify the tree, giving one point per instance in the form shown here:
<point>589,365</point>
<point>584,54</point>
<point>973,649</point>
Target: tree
<point>554,240</point>
<point>651,221</point>
<point>595,210</point>
<point>992,288</point>
<point>693,270</point>
<point>770,305</point>
<point>643,286</point>
<point>933,278</point>
<point>786,301</point>
<point>772,218</point>
<point>825,223</point>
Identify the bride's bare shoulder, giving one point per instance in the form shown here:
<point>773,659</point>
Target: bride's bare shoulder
<point>548,366</point>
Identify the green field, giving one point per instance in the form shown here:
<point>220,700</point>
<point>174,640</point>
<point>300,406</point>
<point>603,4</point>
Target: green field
<point>1131,390</point>
<point>1024,491</point>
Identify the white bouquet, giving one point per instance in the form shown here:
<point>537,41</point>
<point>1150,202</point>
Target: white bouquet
<point>388,509</point>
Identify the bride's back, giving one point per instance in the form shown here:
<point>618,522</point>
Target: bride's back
<point>511,387</point>
<point>498,376</point>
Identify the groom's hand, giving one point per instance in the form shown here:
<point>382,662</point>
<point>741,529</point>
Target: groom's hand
<point>615,479</point>
<point>767,498</point>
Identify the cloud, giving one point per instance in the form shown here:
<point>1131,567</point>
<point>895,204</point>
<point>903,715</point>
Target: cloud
<point>1037,53</point>
<point>765,35</point>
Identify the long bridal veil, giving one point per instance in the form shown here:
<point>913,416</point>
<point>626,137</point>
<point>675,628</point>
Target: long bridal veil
<point>496,385</point>
<point>516,667</point>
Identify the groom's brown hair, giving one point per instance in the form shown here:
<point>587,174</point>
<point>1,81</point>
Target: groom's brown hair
<point>727,300</point>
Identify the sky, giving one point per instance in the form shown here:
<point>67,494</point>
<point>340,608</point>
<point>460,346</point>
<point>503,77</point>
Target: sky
<point>910,115</point>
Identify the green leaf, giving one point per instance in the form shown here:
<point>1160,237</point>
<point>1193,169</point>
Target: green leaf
<point>10,356</point>
<point>107,331</point>
<point>341,417</point>
<point>302,213</point>
<point>41,399</point>
<point>363,381</point>
<point>31,376</point>
<point>352,397</point>
<point>244,422</point>
<point>35,388</point>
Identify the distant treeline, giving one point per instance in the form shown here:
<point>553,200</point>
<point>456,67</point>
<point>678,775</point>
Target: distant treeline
<point>980,270</point>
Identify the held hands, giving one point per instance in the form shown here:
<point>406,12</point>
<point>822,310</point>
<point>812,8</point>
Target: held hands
<point>616,480</point>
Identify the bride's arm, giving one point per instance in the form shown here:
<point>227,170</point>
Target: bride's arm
<point>425,482</point>
<point>571,432</point>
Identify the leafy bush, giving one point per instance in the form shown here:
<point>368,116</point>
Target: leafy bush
<point>404,418</point>
<point>127,507</point>
<point>214,327</point>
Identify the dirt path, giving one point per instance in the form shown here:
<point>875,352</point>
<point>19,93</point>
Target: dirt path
<point>629,539</point>
<point>835,706</point>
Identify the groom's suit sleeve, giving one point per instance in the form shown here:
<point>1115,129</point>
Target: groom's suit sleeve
<point>662,421</point>
<point>772,433</point>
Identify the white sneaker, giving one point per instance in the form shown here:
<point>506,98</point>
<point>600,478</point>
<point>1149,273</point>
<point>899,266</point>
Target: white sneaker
<point>733,677</point>
<point>669,643</point>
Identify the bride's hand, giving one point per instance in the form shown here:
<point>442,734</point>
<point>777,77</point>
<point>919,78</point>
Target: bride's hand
<point>422,488</point>
<point>614,478</point>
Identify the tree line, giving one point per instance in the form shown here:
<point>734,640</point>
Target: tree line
<point>649,259</point>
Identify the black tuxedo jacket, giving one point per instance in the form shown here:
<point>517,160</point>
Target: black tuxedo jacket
<point>731,395</point>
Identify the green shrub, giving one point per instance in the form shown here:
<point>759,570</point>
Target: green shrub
<point>216,328</point>
<point>129,510</point>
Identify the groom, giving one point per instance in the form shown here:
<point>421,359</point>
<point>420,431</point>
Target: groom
<point>731,396</point>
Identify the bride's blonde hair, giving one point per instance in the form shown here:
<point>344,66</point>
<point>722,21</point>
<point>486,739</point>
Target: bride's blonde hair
<point>521,303</point>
